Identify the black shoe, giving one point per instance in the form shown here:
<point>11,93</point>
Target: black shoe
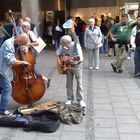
<point>114,69</point>
<point>48,84</point>
<point>137,75</point>
<point>120,71</point>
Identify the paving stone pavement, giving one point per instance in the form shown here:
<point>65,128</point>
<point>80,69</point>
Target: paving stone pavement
<point>113,103</point>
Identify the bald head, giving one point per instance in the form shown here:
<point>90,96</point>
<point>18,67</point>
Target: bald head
<point>22,39</point>
<point>28,19</point>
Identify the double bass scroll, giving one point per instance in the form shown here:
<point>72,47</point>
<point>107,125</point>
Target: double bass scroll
<point>10,13</point>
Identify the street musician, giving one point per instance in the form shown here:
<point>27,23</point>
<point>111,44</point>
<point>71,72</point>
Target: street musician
<point>72,53</point>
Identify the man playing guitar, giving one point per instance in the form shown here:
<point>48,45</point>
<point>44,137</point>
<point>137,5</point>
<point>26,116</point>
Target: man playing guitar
<point>71,53</point>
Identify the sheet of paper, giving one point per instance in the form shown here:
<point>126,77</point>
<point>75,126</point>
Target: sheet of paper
<point>41,45</point>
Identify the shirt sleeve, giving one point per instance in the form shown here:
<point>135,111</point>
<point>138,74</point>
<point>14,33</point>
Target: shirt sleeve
<point>59,51</point>
<point>132,24</point>
<point>32,36</point>
<point>9,54</point>
<point>100,35</point>
<point>113,29</point>
<point>35,32</point>
<point>134,31</point>
<point>79,51</point>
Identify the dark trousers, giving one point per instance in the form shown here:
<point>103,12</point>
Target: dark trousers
<point>137,60</point>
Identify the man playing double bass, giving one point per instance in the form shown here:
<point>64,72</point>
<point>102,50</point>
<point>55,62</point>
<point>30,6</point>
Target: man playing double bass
<point>7,59</point>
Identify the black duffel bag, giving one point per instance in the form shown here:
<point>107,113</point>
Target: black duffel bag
<point>44,121</point>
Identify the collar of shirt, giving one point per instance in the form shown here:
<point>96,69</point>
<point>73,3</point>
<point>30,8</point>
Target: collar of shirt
<point>92,28</point>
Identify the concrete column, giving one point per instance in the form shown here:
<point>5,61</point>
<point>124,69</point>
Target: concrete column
<point>31,8</point>
<point>139,9</point>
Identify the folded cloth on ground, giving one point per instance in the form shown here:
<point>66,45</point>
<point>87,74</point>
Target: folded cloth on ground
<point>47,105</point>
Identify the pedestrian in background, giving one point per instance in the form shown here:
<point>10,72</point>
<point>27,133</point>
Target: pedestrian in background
<point>70,25</point>
<point>137,50</point>
<point>92,42</point>
<point>57,32</point>
<point>121,34</point>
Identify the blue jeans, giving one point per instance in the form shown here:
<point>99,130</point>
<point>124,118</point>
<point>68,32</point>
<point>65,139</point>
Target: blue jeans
<point>56,43</point>
<point>81,38</point>
<point>137,60</point>
<point>5,91</point>
<point>104,48</point>
<point>131,54</point>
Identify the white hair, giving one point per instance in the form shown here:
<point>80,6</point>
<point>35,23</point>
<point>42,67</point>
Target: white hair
<point>26,24</point>
<point>65,40</point>
<point>92,20</point>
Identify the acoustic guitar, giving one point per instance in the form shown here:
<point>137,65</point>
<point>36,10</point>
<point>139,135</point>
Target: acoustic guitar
<point>64,63</point>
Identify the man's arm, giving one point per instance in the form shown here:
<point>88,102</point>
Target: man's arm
<point>132,24</point>
<point>112,37</point>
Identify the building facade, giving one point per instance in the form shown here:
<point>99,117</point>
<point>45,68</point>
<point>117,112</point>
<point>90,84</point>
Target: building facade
<point>43,11</point>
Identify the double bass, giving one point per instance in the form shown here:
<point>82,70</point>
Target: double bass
<point>27,86</point>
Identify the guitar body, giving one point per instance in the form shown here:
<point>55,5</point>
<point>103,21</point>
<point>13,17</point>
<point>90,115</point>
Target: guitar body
<point>63,68</point>
<point>64,63</point>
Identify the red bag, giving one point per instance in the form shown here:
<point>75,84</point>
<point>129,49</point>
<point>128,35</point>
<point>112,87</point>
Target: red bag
<point>83,27</point>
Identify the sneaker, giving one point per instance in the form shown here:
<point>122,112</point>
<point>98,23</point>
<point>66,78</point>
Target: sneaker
<point>96,68</point>
<point>7,113</point>
<point>114,69</point>
<point>82,104</point>
<point>90,68</point>
<point>108,55</point>
<point>68,102</point>
<point>46,81</point>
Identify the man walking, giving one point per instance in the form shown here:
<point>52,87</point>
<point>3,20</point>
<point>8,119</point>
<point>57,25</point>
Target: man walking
<point>120,34</point>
